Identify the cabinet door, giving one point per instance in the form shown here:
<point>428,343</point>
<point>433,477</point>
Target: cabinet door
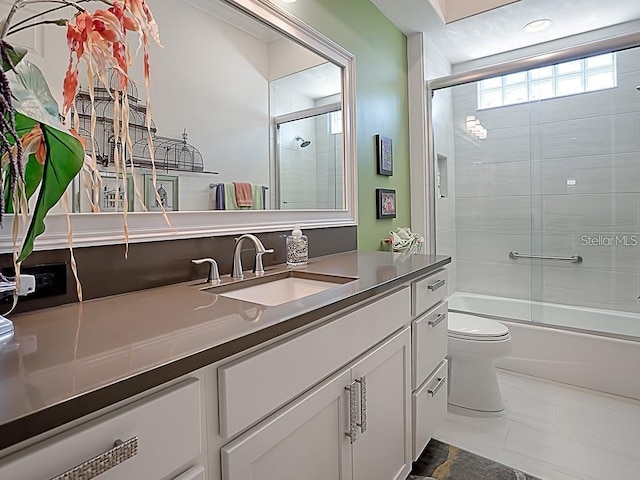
<point>305,439</point>
<point>194,473</point>
<point>382,449</point>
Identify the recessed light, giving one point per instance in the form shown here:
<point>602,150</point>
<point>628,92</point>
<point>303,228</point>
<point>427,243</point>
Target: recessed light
<point>537,25</point>
<point>288,1</point>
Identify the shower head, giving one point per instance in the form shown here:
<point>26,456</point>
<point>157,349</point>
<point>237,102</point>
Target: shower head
<point>305,143</point>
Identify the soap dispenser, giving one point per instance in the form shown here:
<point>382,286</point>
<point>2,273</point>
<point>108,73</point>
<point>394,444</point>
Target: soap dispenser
<point>297,248</point>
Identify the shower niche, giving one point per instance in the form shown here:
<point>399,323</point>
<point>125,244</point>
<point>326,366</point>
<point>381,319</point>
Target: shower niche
<point>442,177</point>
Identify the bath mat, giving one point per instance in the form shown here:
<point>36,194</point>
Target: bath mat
<point>440,461</point>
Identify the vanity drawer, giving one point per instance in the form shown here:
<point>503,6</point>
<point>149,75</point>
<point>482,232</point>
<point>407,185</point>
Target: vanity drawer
<point>429,406</point>
<point>252,387</point>
<point>429,336</point>
<point>428,292</point>
<point>160,435</point>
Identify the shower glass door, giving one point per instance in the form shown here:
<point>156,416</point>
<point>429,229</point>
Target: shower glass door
<point>585,185</point>
<point>483,198</point>
<point>538,194</point>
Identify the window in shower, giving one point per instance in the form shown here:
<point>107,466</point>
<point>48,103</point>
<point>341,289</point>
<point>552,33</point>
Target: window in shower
<point>335,122</point>
<point>568,78</point>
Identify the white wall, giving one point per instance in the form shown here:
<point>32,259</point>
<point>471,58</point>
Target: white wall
<point>226,115</point>
<point>287,57</point>
<point>512,194</point>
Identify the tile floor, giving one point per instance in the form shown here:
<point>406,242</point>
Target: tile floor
<point>554,431</point>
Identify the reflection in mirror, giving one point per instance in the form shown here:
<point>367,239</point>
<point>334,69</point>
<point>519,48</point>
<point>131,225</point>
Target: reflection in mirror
<point>307,116</point>
<point>212,81</point>
<point>234,100</point>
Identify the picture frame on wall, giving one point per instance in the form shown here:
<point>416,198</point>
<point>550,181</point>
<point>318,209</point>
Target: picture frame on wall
<point>112,187</point>
<point>384,154</point>
<point>167,186</point>
<point>385,203</point>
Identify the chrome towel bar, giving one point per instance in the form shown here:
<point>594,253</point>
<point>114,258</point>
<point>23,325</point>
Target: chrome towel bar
<point>572,259</point>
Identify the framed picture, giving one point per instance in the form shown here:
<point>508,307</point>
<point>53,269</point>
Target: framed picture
<point>111,194</point>
<point>167,186</point>
<point>385,203</point>
<point>385,155</point>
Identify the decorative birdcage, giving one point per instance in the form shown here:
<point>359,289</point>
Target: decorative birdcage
<point>169,153</point>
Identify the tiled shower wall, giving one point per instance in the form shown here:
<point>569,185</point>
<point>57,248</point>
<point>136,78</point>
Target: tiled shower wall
<point>513,192</point>
<point>437,65</point>
<point>329,160</point>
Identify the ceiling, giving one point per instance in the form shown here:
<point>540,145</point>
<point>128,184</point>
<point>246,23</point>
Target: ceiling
<point>500,30</point>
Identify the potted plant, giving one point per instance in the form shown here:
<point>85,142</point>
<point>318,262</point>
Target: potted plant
<point>41,152</point>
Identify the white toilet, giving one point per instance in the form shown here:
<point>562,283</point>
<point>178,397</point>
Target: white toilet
<point>474,343</point>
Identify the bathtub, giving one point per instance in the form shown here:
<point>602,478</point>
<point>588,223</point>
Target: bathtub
<point>579,346</point>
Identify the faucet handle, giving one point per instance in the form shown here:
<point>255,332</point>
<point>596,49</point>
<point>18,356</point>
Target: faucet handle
<point>214,274</point>
<point>259,268</point>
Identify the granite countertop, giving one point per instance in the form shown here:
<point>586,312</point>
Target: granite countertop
<point>66,362</point>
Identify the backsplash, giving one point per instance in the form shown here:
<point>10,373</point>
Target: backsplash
<point>104,271</point>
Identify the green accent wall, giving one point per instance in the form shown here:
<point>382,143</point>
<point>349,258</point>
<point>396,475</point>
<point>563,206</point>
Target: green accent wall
<point>381,101</point>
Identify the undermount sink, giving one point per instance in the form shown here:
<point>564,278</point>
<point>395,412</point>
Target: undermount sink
<point>279,288</point>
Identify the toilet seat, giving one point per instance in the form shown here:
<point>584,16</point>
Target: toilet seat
<point>478,329</point>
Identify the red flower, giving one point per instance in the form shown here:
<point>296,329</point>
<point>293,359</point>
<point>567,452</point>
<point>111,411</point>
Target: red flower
<point>100,38</point>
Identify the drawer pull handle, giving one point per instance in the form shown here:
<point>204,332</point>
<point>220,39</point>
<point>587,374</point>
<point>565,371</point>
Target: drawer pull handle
<point>436,321</point>
<point>434,286</point>
<point>99,464</point>
<point>353,411</point>
<point>363,404</point>
<point>433,391</point>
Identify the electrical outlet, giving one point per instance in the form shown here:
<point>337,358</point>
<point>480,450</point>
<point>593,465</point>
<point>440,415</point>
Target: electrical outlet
<point>51,279</point>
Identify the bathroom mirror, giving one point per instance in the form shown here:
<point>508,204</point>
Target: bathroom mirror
<point>242,92</point>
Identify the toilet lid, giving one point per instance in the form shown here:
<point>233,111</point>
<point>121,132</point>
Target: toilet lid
<point>462,325</point>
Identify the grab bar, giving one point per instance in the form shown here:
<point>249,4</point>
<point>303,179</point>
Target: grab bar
<point>572,259</point>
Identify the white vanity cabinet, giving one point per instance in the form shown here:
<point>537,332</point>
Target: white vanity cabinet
<point>429,364</point>
<point>151,439</point>
<point>354,425</point>
<point>356,396</point>
<point>382,446</point>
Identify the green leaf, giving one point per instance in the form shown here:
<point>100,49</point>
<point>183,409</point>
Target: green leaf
<point>33,172</point>
<point>34,103</point>
<point>16,54</point>
<point>65,156</point>
<point>32,97</point>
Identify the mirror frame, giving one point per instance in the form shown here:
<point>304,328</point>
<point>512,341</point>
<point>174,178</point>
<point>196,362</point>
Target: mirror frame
<point>90,229</point>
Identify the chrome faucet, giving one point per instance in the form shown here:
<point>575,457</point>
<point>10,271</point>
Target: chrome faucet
<point>213,276</point>
<point>236,268</point>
